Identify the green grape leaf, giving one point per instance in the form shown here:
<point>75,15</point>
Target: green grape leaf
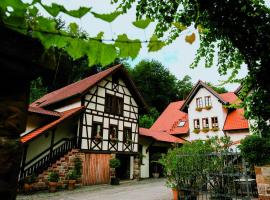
<point>79,12</point>
<point>142,23</point>
<point>155,44</point>
<point>76,48</point>
<point>179,26</point>
<point>127,47</point>
<point>54,9</point>
<point>107,17</point>
<point>73,28</point>
<point>46,24</point>
<point>99,53</point>
<point>51,40</point>
<point>15,4</point>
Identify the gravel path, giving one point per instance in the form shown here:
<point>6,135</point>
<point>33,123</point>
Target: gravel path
<point>150,189</point>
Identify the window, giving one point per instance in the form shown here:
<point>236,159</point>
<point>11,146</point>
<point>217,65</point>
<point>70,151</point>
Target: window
<point>196,124</point>
<point>214,122</point>
<point>181,124</point>
<point>114,104</point>
<point>113,132</point>
<point>205,123</point>
<point>97,130</point>
<point>127,137</point>
<point>207,101</point>
<point>199,102</point>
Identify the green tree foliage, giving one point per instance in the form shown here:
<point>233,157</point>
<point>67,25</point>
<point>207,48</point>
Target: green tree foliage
<point>218,89</point>
<point>256,150</point>
<point>157,85</point>
<point>147,120</point>
<point>239,30</point>
<point>37,90</point>
<point>184,87</point>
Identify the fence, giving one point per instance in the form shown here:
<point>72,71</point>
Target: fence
<point>215,176</point>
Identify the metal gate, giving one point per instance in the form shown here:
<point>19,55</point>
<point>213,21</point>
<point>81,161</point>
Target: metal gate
<point>219,176</point>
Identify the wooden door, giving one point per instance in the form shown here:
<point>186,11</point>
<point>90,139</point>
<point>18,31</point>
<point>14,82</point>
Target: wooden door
<point>96,169</point>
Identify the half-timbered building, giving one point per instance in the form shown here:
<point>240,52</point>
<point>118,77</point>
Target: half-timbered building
<point>97,116</point>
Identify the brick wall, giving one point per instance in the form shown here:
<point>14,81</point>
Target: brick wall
<point>263,182</point>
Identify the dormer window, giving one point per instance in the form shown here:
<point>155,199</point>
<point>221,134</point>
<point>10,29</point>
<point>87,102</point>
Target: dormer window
<point>199,102</point>
<point>207,101</point>
<point>181,123</point>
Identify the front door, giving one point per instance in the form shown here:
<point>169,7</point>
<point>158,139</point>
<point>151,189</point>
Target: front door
<point>123,172</point>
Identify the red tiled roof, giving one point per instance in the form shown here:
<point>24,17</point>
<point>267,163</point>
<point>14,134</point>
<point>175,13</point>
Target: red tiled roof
<point>160,136</point>
<point>74,89</point>
<point>43,111</point>
<point>235,120</point>
<point>229,97</point>
<point>169,119</point>
<point>64,115</point>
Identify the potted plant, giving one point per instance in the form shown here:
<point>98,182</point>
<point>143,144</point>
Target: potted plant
<point>98,138</point>
<point>215,129</point>
<point>155,160</point>
<point>114,163</point>
<point>71,177</point>
<point>256,151</point>
<point>199,109</point>
<point>53,179</point>
<point>78,168</point>
<point>28,183</point>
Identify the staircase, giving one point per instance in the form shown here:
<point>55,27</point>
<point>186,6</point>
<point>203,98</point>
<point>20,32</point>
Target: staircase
<point>49,158</point>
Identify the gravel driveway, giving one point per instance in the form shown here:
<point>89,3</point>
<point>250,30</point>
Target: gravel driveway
<point>150,189</point>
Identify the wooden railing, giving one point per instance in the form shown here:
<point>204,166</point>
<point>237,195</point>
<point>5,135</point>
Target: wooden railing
<point>47,157</point>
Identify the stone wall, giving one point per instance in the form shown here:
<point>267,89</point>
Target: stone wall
<point>263,182</point>
<point>61,166</point>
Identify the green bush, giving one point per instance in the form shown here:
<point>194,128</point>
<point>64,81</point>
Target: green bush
<point>115,163</point>
<point>256,150</point>
<point>53,176</point>
<point>72,175</point>
<point>78,166</point>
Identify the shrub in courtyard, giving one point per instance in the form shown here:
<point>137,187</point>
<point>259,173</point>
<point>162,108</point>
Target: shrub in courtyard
<point>256,150</point>
<point>114,163</point>
<point>188,167</point>
<point>53,178</point>
<point>78,167</point>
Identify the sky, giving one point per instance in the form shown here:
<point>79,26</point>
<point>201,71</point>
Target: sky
<point>176,57</point>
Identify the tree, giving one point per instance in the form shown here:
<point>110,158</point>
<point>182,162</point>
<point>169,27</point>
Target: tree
<point>238,29</point>
<point>156,83</point>
<point>184,87</point>
<point>218,89</point>
<point>148,119</point>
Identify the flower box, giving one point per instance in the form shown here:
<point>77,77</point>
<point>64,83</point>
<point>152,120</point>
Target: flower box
<point>199,109</point>
<point>98,138</point>
<point>205,130</point>
<point>215,129</point>
<point>207,107</point>
<point>196,130</point>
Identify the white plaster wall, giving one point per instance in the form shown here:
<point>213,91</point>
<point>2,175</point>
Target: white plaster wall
<point>131,166</point>
<point>217,110</point>
<point>145,162</point>
<point>33,122</point>
<point>237,136</point>
<point>70,106</point>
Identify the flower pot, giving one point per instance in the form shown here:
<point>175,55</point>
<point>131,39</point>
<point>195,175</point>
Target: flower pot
<point>71,184</point>
<point>27,188</point>
<point>175,194</point>
<point>263,181</point>
<point>53,186</point>
<point>115,181</point>
<point>155,175</point>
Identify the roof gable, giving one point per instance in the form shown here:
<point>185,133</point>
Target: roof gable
<point>169,119</point>
<point>223,98</point>
<point>79,88</point>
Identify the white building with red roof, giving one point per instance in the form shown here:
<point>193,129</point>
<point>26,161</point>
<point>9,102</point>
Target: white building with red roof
<point>203,114</point>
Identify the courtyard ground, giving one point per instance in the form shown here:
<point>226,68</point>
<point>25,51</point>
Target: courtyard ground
<point>150,189</point>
